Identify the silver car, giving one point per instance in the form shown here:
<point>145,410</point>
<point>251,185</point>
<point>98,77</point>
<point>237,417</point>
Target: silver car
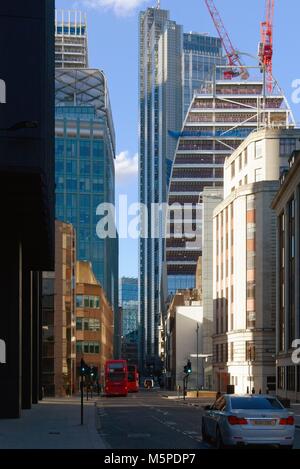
<point>235,420</point>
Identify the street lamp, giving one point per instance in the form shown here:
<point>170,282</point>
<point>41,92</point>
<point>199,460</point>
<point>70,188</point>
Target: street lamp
<point>197,376</point>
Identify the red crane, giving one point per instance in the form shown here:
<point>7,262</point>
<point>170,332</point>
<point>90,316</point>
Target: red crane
<point>232,55</point>
<point>266,45</point>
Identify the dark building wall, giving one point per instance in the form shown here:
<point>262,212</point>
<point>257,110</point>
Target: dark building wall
<point>26,190</point>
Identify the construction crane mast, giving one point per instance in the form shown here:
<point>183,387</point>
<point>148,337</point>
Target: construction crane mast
<point>266,45</point>
<point>234,60</point>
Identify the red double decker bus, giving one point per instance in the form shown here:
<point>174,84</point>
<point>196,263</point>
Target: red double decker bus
<point>116,378</point>
<point>133,378</point>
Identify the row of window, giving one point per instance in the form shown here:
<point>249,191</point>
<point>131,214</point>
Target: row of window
<point>87,301</point>
<point>288,378</point>
<point>225,352</point>
<point>87,324</point>
<point>84,347</point>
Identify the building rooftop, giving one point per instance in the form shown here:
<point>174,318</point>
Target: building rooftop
<point>84,87</point>
<point>85,274</point>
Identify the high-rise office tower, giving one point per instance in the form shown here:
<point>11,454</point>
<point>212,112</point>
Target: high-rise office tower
<point>201,53</point>
<point>216,124</point>
<point>71,47</point>
<point>160,110</point>
<point>85,174</point>
<point>128,300</point>
<point>171,66</point>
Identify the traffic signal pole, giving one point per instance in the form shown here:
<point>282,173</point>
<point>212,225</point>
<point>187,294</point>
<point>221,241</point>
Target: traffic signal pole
<point>81,405</point>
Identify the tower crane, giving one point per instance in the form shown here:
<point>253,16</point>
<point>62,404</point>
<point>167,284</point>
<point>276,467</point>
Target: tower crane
<point>234,60</point>
<point>265,51</point>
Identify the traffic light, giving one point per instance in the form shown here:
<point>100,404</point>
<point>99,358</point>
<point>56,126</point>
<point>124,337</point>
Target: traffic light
<point>93,372</point>
<point>189,366</point>
<point>83,367</point>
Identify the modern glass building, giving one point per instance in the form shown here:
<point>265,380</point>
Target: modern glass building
<point>85,175</point>
<point>160,109</point>
<point>216,124</point>
<point>128,301</point>
<point>201,53</point>
<point>171,66</point>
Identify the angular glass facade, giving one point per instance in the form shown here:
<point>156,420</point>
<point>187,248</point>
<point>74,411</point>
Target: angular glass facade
<point>85,152</point>
<point>200,55</point>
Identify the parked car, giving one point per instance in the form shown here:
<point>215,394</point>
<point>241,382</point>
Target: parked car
<point>238,420</point>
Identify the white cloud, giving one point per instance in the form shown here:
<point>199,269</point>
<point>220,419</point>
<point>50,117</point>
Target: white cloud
<point>126,166</point>
<point>120,7</point>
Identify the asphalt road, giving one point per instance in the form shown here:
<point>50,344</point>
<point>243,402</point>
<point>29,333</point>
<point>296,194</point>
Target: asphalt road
<point>147,420</point>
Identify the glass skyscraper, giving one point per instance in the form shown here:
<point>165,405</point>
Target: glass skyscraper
<point>160,110</point>
<point>128,300</point>
<point>200,55</point>
<point>171,66</point>
<point>85,175</point>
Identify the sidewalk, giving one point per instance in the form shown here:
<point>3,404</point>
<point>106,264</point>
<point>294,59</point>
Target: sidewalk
<point>53,424</point>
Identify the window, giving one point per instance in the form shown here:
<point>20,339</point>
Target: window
<point>290,378</point>
<point>232,169</point>
<point>271,383</point>
<point>79,301</point>
<point>86,302</point>
<point>255,403</point>
<point>250,351</point>
<point>251,319</point>
<point>258,149</point>
<point>87,347</point>
<point>79,324</point>
<point>220,404</point>
<point>287,146</point>
<point>231,351</point>
<point>281,377</point>
<point>251,289</point>
<point>258,174</point>
<point>240,162</point>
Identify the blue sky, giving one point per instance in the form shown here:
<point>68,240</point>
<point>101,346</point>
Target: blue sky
<point>113,47</point>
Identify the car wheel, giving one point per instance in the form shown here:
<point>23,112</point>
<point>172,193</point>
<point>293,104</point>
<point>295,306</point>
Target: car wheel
<point>204,434</point>
<point>219,440</point>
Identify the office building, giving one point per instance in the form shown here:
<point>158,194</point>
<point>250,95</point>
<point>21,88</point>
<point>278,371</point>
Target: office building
<point>183,340</point>
<point>27,194</point>
<point>244,270</point>
<point>85,174</point>
<point>287,208</point>
<point>211,198</point>
<point>94,323</point>
<point>71,46</point>
<point>59,316</point>
<point>201,53</point>
<point>216,124</point>
<point>171,66</point>
<point>128,293</point>
<point>160,110</point>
